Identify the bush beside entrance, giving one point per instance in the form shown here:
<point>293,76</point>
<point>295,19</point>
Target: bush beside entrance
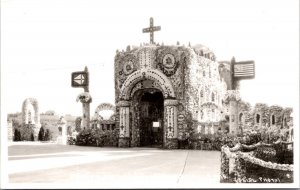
<point>97,137</point>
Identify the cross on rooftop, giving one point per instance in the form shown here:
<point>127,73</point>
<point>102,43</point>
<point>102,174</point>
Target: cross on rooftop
<point>151,30</point>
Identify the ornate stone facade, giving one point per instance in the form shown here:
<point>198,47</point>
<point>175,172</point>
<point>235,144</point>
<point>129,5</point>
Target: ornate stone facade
<point>263,116</point>
<point>189,80</point>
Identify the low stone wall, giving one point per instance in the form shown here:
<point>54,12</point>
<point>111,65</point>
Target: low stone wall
<point>242,160</point>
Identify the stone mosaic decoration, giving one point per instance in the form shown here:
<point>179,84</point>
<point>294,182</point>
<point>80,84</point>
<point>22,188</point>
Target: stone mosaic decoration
<point>191,76</point>
<point>149,74</point>
<point>129,65</point>
<point>168,61</point>
<point>104,106</point>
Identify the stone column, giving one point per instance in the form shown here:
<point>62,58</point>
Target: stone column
<point>170,127</point>
<point>239,169</point>
<point>233,96</point>
<point>224,166</point>
<point>37,125</point>
<point>36,130</point>
<point>86,114</point>
<point>63,139</point>
<point>124,123</point>
<point>64,135</point>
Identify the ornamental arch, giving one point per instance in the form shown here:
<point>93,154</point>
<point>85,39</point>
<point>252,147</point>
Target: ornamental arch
<point>104,106</point>
<point>104,117</point>
<point>26,113</point>
<point>31,125</point>
<point>160,80</point>
<point>147,106</point>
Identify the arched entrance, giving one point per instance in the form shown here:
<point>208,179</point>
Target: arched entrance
<point>148,118</point>
<point>152,88</point>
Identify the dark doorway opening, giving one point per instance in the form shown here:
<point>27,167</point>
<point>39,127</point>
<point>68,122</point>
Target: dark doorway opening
<point>151,109</point>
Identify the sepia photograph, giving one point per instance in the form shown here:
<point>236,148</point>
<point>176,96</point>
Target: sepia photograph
<point>149,94</point>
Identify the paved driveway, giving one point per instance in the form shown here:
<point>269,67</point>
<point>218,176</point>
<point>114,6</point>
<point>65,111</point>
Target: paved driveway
<point>89,167</point>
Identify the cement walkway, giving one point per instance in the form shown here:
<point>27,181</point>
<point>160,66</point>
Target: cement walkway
<point>94,167</point>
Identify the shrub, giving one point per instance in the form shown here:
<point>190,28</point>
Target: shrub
<point>97,137</point>
<point>47,136</point>
<point>41,135</point>
<point>86,137</point>
<point>17,135</point>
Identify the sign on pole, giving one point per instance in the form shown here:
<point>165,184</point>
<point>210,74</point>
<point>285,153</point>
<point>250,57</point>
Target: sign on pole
<point>80,79</point>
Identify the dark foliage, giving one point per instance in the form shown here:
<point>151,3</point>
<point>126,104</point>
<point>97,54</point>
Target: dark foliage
<point>97,137</point>
<point>41,135</point>
<point>47,136</point>
<point>17,135</point>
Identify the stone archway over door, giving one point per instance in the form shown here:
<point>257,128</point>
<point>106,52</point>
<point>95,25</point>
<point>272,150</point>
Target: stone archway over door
<point>170,105</point>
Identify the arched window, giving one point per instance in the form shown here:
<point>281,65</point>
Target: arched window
<point>273,120</point>
<point>284,122</point>
<point>241,118</point>
<point>257,118</point>
<point>213,97</point>
<point>203,73</point>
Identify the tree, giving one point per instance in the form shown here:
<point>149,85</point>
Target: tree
<point>41,134</point>
<point>17,135</point>
<point>32,137</point>
<point>47,136</point>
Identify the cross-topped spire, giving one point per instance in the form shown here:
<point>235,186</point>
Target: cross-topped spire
<point>151,30</point>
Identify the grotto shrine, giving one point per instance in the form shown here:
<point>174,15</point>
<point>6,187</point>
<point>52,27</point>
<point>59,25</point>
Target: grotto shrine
<point>163,90</point>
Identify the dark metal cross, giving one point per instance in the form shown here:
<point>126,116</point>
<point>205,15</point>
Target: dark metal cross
<point>151,30</point>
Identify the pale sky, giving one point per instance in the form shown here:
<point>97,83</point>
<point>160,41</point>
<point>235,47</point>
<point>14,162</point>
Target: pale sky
<point>43,41</point>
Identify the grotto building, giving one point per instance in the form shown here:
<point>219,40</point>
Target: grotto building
<point>163,90</point>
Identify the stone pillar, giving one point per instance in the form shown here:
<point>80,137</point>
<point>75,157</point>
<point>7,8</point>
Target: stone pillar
<point>63,139</point>
<point>64,135</point>
<point>224,166</point>
<point>170,127</point>
<point>124,123</point>
<point>233,116</point>
<point>37,125</point>
<point>36,130</point>
<point>86,114</point>
<point>233,96</point>
<point>239,169</point>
